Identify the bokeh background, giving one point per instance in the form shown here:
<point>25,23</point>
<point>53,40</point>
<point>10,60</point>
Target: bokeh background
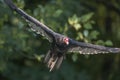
<point>92,21</point>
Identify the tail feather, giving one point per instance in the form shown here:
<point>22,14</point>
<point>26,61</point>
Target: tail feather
<point>51,64</point>
<point>53,60</point>
<point>47,56</point>
<point>59,61</point>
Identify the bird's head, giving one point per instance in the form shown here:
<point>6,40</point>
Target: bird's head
<point>66,40</point>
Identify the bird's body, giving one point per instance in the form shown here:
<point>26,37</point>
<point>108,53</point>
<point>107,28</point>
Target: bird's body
<point>60,44</point>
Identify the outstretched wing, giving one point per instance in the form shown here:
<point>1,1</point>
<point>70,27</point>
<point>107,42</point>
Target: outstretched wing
<point>33,23</point>
<point>86,48</point>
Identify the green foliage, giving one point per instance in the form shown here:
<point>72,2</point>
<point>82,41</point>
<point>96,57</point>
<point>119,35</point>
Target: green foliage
<point>86,17</point>
<point>22,51</point>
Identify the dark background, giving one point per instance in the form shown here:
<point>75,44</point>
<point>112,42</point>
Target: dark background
<point>93,21</point>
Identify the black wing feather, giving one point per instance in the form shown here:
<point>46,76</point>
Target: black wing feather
<point>34,23</point>
<point>86,48</point>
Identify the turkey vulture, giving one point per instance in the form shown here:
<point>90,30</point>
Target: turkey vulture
<point>60,44</point>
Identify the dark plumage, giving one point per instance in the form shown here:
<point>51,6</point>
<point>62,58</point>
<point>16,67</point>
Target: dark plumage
<point>60,43</point>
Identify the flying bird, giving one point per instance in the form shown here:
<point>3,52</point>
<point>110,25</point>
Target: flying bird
<point>60,44</point>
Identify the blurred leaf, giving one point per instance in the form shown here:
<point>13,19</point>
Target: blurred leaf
<point>94,34</point>
<point>86,33</point>
<point>74,57</point>
<point>58,13</point>
<point>100,42</point>
<point>80,36</point>
<point>73,20</point>
<point>86,17</point>
<point>77,26</point>
<point>38,57</point>
<point>108,43</point>
<point>87,26</point>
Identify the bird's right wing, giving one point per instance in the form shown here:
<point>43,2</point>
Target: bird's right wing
<point>35,25</point>
<point>86,48</point>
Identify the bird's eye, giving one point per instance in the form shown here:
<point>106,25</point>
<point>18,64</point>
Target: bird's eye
<point>66,40</point>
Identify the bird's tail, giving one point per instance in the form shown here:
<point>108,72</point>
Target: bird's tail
<point>53,60</point>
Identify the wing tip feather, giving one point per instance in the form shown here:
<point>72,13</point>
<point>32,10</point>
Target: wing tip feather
<point>114,50</point>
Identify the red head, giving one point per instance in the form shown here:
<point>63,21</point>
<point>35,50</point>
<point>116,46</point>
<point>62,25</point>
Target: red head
<point>66,40</point>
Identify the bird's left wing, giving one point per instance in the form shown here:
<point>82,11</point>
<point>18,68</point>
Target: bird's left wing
<point>86,48</point>
<point>35,25</point>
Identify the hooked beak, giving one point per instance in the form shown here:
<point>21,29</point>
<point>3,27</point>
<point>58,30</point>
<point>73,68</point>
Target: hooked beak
<point>67,42</point>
